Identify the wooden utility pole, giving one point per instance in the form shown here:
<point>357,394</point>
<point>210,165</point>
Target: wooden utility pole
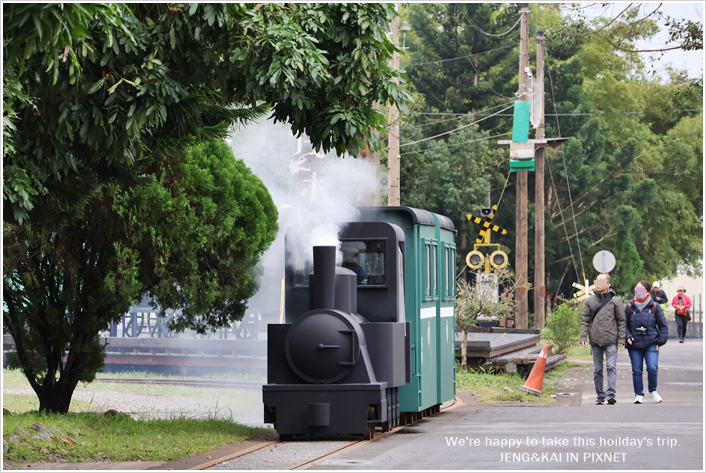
<point>393,120</point>
<point>372,197</point>
<point>521,251</point>
<point>539,277</point>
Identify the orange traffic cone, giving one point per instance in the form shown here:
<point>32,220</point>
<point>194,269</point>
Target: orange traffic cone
<point>536,377</point>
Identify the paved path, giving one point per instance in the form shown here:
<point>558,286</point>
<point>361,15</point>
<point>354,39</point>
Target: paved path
<point>537,437</point>
<point>574,434</point>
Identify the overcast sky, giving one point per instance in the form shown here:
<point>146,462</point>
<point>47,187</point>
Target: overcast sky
<point>691,60</point>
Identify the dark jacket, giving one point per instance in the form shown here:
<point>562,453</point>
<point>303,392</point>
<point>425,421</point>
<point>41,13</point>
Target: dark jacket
<point>607,327</point>
<point>656,325</point>
<point>362,275</point>
<point>662,297</point>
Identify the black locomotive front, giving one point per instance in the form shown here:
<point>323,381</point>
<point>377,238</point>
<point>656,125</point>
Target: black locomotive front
<point>336,367</point>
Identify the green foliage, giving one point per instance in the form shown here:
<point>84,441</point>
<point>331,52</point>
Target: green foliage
<point>24,403</point>
<point>634,178</point>
<point>207,211</point>
<point>121,438</point>
<point>563,326</point>
<point>689,33</point>
<point>491,386</point>
<point>441,31</point>
<point>187,237</point>
<point>142,80</point>
<point>448,180</point>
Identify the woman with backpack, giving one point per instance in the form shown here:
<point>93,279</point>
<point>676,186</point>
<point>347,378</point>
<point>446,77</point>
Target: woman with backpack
<point>646,331</point>
<point>681,304</point>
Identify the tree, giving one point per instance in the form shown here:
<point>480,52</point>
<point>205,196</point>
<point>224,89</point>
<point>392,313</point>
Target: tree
<point>474,300</point>
<point>630,166</point>
<point>450,31</point>
<point>144,85</point>
<point>564,326</point>
<point>141,79</point>
<point>188,238</point>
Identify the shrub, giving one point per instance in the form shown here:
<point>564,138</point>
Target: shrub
<point>563,326</point>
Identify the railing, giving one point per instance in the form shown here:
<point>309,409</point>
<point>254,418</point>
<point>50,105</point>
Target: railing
<point>137,324</point>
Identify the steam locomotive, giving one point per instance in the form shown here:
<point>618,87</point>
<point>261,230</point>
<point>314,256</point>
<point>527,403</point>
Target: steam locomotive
<point>368,342</point>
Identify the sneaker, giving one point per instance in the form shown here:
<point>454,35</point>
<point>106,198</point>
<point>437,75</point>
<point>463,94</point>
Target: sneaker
<point>655,397</point>
<point>601,402</point>
<point>611,400</point>
<point>638,399</point>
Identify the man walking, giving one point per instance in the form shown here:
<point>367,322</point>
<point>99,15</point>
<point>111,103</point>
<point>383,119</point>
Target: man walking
<point>603,322</point>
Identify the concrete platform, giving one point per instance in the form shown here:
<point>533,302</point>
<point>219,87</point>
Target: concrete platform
<point>446,441</point>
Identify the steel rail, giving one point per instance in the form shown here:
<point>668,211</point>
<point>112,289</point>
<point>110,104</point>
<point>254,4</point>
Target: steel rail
<point>457,402</point>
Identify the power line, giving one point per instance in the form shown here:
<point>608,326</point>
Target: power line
<point>457,129</point>
<point>566,172</point>
<point>456,144</point>
<point>579,114</point>
<point>465,115</point>
<point>485,33</point>
<point>568,240</point>
<point>460,57</point>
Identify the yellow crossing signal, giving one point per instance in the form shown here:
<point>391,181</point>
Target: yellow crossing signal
<point>487,224</point>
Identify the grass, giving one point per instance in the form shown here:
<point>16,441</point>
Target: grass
<point>490,385</point>
<point>13,378</point>
<point>96,437</point>
<point>23,403</point>
<point>213,398</point>
<point>578,352</point>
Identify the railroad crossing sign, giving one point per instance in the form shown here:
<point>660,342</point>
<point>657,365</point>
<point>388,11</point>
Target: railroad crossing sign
<point>477,258</point>
<point>486,222</point>
<point>581,293</point>
<point>604,262</point>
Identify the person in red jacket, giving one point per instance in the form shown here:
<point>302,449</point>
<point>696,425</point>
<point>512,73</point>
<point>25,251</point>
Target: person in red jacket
<point>681,304</point>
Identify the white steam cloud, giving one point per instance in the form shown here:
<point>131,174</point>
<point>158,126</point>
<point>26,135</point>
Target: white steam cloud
<point>311,189</point>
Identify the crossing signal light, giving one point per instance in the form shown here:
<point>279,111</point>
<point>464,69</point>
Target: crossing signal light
<point>498,259</point>
<point>475,259</point>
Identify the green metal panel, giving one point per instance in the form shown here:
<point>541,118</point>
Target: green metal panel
<point>520,122</point>
<point>428,315</point>
<point>446,322</point>
<point>521,165</point>
<point>423,312</point>
<point>410,393</point>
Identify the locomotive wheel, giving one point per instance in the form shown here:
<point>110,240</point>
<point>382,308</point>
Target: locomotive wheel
<point>387,425</point>
<point>370,433</point>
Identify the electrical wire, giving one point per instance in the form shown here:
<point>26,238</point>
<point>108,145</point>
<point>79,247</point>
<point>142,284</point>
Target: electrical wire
<point>568,240</point>
<point>484,32</point>
<point>465,115</point>
<point>577,114</point>
<point>566,172</point>
<point>457,129</point>
<point>460,57</point>
<point>455,144</point>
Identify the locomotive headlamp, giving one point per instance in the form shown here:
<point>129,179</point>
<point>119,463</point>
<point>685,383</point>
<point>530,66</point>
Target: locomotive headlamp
<point>498,259</point>
<point>475,259</point>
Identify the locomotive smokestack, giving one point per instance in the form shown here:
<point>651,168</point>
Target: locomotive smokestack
<point>322,286</point>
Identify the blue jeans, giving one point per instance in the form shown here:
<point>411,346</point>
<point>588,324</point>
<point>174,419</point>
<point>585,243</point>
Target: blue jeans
<point>651,357</point>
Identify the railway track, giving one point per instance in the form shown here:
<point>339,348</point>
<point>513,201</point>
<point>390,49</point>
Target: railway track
<point>303,465</point>
<point>186,382</point>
